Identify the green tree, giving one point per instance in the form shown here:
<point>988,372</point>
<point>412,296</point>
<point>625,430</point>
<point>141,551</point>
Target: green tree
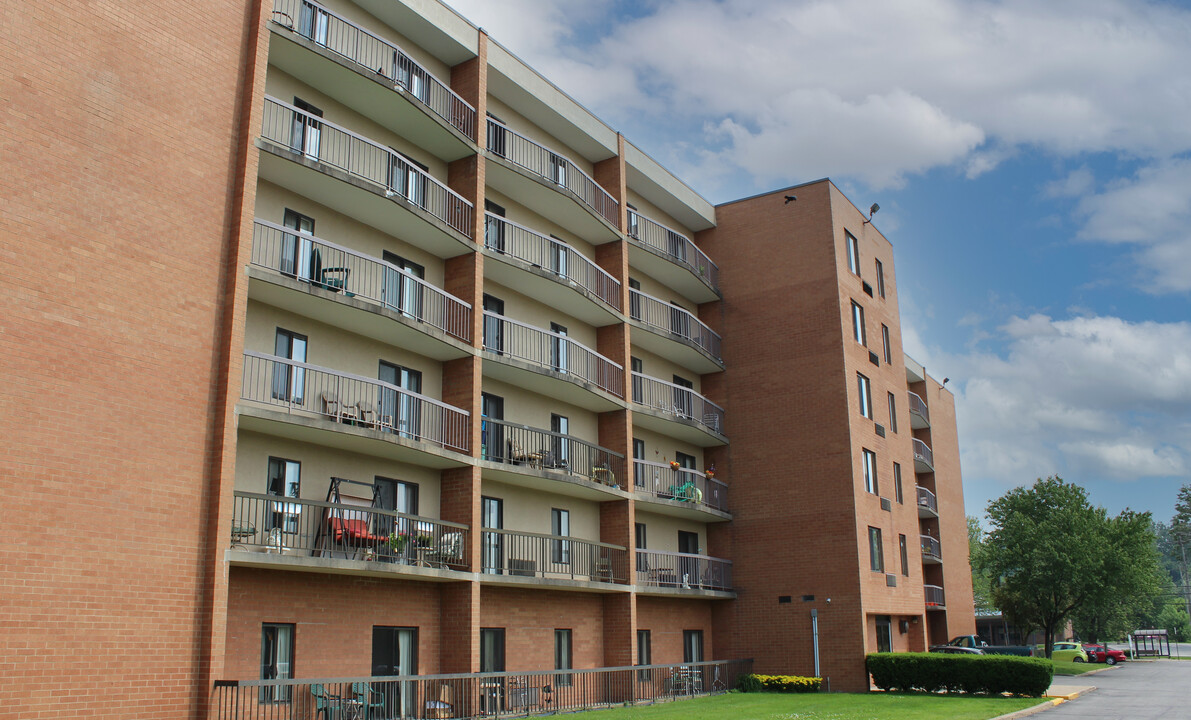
<point>1132,580</point>
<point>981,591</point>
<point>1180,542</point>
<point>1050,552</point>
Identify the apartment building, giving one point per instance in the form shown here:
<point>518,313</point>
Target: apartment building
<point>369,351</point>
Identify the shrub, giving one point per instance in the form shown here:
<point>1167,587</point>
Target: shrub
<point>778,683</point>
<point>932,672</point>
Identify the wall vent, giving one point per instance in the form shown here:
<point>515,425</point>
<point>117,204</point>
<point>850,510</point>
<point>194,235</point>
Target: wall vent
<point>891,580</point>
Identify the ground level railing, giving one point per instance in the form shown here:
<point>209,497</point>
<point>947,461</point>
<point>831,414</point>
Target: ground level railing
<point>682,484</point>
<point>491,695</point>
<point>524,554</point>
<point>657,568</point>
<point>297,526</point>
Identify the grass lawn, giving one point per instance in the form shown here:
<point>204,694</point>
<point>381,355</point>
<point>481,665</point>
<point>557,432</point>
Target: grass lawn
<point>825,706</point>
<point>1066,667</point>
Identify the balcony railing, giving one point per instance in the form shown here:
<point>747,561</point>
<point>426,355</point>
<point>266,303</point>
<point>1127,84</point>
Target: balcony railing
<point>918,406</point>
<point>927,499</point>
<point>683,485</point>
<point>296,526</point>
<point>934,596</point>
<point>922,453</point>
<point>681,402</point>
<point>338,269</point>
<point>544,162</point>
<point>359,157</point>
<point>376,55</point>
<point>669,318</point>
<point>509,238</point>
<point>523,554</point>
<point>353,400</point>
<point>553,351</point>
<point>683,570</point>
<point>931,547</point>
<point>526,446</point>
<point>505,694</point>
<point>675,246</point>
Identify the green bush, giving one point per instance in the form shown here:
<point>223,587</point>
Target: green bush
<point>932,672</point>
<point>778,683</point>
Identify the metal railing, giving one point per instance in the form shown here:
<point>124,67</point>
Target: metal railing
<point>520,150</point>
<point>353,400</point>
<point>681,402</point>
<point>934,596</point>
<point>931,547</point>
<point>525,554</point>
<point>296,526</point>
<point>551,350</point>
<point>918,406</point>
<point>556,256</point>
<point>360,157</point>
<point>377,55</point>
<point>526,446</point>
<point>338,269</point>
<point>465,695</point>
<point>669,318</point>
<point>675,246</point>
<point>927,499</point>
<point>656,568</point>
<point>684,484</point>
<point>922,453</point>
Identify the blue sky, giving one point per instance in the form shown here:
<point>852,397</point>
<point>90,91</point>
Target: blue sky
<point>1033,166</point>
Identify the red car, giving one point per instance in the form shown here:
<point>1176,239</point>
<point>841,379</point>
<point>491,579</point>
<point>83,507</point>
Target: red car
<point>1104,654</point>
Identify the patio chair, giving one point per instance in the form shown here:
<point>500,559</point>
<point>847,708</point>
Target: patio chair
<point>370,700</point>
<point>367,414</point>
<point>444,706</point>
<point>331,405</point>
<point>449,550</point>
<point>326,705</point>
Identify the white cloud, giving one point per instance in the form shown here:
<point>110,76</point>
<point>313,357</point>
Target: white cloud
<point>1078,182</point>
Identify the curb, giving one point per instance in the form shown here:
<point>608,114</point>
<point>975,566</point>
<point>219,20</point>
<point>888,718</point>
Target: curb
<point>1048,701</point>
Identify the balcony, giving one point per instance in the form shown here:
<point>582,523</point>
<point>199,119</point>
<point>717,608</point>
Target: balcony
<point>672,258</point>
<point>272,531</point>
<point>935,600</point>
<point>363,179</point>
<point>550,461</point>
<point>919,414</point>
<point>675,333</point>
<point>684,492</point>
<point>371,75</point>
<point>677,411</point>
<point>932,551</point>
<point>327,407</point>
<point>350,290</point>
<point>551,271</point>
<point>928,505</point>
<point>519,558</point>
<point>924,459</point>
<point>674,572</point>
<point>535,176</point>
<point>550,364</point>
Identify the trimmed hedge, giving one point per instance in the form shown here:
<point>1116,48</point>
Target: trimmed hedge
<point>778,683</point>
<point>932,672</point>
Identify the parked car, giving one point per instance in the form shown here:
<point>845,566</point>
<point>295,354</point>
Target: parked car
<point>1103,654</point>
<point>956,650</point>
<point>1063,650</point>
<point>973,642</point>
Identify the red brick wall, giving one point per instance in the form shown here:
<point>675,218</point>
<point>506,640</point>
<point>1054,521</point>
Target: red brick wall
<point>121,212</point>
<point>666,618</point>
<point>530,617</point>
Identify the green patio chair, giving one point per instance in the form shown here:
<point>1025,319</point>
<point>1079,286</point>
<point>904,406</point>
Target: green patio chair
<point>326,705</point>
<point>371,700</point>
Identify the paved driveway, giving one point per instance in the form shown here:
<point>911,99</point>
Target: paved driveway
<point>1155,690</point>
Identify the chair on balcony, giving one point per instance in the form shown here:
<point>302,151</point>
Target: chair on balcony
<point>369,700</point>
<point>603,570</point>
<point>449,551</point>
<point>341,412</point>
<point>367,414</point>
<point>444,706</point>
<point>326,705</point>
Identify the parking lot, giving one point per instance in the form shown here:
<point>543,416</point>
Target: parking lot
<point>1151,689</point>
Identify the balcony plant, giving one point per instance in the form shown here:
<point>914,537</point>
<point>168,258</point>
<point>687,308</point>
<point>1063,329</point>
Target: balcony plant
<point>711,471</point>
<point>675,466</point>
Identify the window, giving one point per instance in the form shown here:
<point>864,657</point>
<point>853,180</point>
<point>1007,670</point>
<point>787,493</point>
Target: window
<point>492,650</point>
<point>897,483</point>
<point>634,223</point>
<point>560,526</point>
<point>644,655</point>
<point>884,634</point>
<point>285,480</point>
<point>289,380</point>
<point>892,413</point>
<point>560,425</point>
<point>562,656</point>
<point>876,554</point>
<point>494,226</point>
<point>639,469</point>
<point>297,250</point>
<point>858,324</point>
<point>901,543</point>
<point>558,347</point>
<point>307,130</point>
<point>880,278</point>
<point>866,400</point>
<point>870,471</point>
<point>277,660</point>
<point>638,383</point>
<point>853,253</point>
<point>634,299</point>
<point>692,646</point>
<point>642,560</point>
<point>885,342</point>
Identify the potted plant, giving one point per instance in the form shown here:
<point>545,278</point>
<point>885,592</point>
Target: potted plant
<point>674,465</point>
<point>711,471</point>
<point>398,541</point>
